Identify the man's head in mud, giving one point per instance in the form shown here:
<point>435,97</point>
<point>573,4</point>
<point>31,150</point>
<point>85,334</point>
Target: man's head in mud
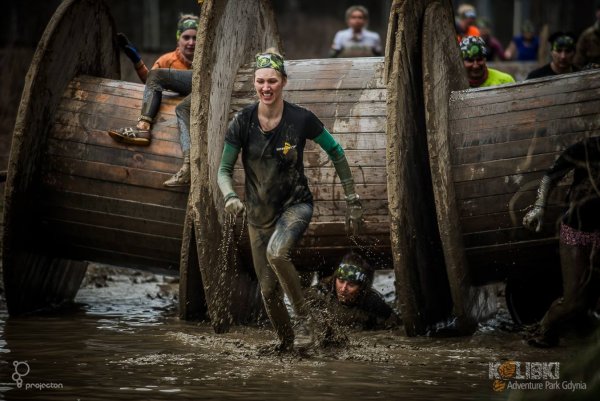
<point>474,51</point>
<point>352,276</point>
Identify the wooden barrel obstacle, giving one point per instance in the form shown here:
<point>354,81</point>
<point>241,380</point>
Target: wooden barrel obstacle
<point>422,284</point>
<point>113,196</point>
<point>34,277</point>
<point>501,142</point>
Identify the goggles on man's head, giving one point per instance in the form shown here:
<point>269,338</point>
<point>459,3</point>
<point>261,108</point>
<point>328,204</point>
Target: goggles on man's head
<point>352,273</point>
<point>270,60</point>
<point>564,42</point>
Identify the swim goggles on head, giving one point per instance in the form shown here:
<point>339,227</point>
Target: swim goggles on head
<point>352,273</point>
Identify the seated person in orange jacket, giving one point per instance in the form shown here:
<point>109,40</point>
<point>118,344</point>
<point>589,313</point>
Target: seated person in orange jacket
<point>179,59</point>
<point>166,74</point>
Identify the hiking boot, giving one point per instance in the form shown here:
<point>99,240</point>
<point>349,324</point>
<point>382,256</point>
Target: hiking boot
<point>182,177</point>
<point>131,136</point>
<point>282,347</point>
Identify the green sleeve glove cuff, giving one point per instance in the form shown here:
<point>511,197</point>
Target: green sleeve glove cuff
<point>225,173</point>
<point>328,143</point>
<point>543,192</point>
<point>337,156</point>
<point>342,168</point>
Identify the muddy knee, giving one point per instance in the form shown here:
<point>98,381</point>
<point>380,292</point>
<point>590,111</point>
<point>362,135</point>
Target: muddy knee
<point>270,291</point>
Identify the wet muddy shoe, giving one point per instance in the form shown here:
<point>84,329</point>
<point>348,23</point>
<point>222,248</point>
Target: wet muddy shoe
<point>180,178</point>
<point>282,347</point>
<point>131,136</point>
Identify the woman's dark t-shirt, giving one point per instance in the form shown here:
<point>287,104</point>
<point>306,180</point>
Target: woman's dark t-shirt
<point>273,160</point>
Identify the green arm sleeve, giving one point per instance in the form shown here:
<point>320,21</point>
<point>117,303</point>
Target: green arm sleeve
<point>225,173</point>
<point>337,156</point>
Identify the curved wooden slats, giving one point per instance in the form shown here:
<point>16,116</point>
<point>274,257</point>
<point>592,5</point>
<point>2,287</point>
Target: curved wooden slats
<point>501,141</point>
<point>33,277</point>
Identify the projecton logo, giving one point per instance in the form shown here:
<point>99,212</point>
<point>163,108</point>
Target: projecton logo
<point>21,370</point>
<point>505,374</point>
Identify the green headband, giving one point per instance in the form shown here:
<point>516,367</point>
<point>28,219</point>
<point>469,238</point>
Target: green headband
<point>472,47</point>
<point>186,24</point>
<point>563,42</point>
<point>270,60</point>
<point>352,273</point>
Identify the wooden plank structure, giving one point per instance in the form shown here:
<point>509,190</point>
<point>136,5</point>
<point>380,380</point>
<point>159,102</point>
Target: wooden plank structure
<point>228,32</point>
<point>444,174</point>
<point>349,96</point>
<point>103,201</point>
<point>443,72</point>
<point>500,142</point>
<point>35,276</point>
<point>422,284</point>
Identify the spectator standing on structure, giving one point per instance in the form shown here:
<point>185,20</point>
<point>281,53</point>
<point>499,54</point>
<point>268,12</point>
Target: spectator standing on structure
<point>525,46</point>
<point>562,52</point>
<point>588,45</point>
<point>495,50</point>
<point>356,41</point>
<point>465,22</point>
<point>579,243</point>
<point>473,52</point>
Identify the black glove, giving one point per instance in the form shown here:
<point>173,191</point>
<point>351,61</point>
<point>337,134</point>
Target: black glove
<point>128,48</point>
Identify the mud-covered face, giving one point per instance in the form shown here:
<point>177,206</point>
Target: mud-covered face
<point>187,43</point>
<point>269,84</point>
<point>346,291</point>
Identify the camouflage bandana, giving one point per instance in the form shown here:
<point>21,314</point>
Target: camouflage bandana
<point>185,25</point>
<point>472,47</point>
<point>351,273</point>
<point>563,42</point>
<point>270,60</point>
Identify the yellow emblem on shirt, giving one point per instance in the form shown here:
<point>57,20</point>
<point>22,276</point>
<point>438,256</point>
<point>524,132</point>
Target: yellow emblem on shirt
<point>286,148</point>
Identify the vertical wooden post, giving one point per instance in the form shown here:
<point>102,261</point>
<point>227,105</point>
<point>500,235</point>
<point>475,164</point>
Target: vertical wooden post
<point>230,33</point>
<point>192,301</point>
<point>443,72</point>
<point>421,280</point>
<point>36,278</point>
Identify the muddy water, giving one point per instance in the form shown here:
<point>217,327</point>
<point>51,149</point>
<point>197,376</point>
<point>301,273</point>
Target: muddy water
<point>125,342</point>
